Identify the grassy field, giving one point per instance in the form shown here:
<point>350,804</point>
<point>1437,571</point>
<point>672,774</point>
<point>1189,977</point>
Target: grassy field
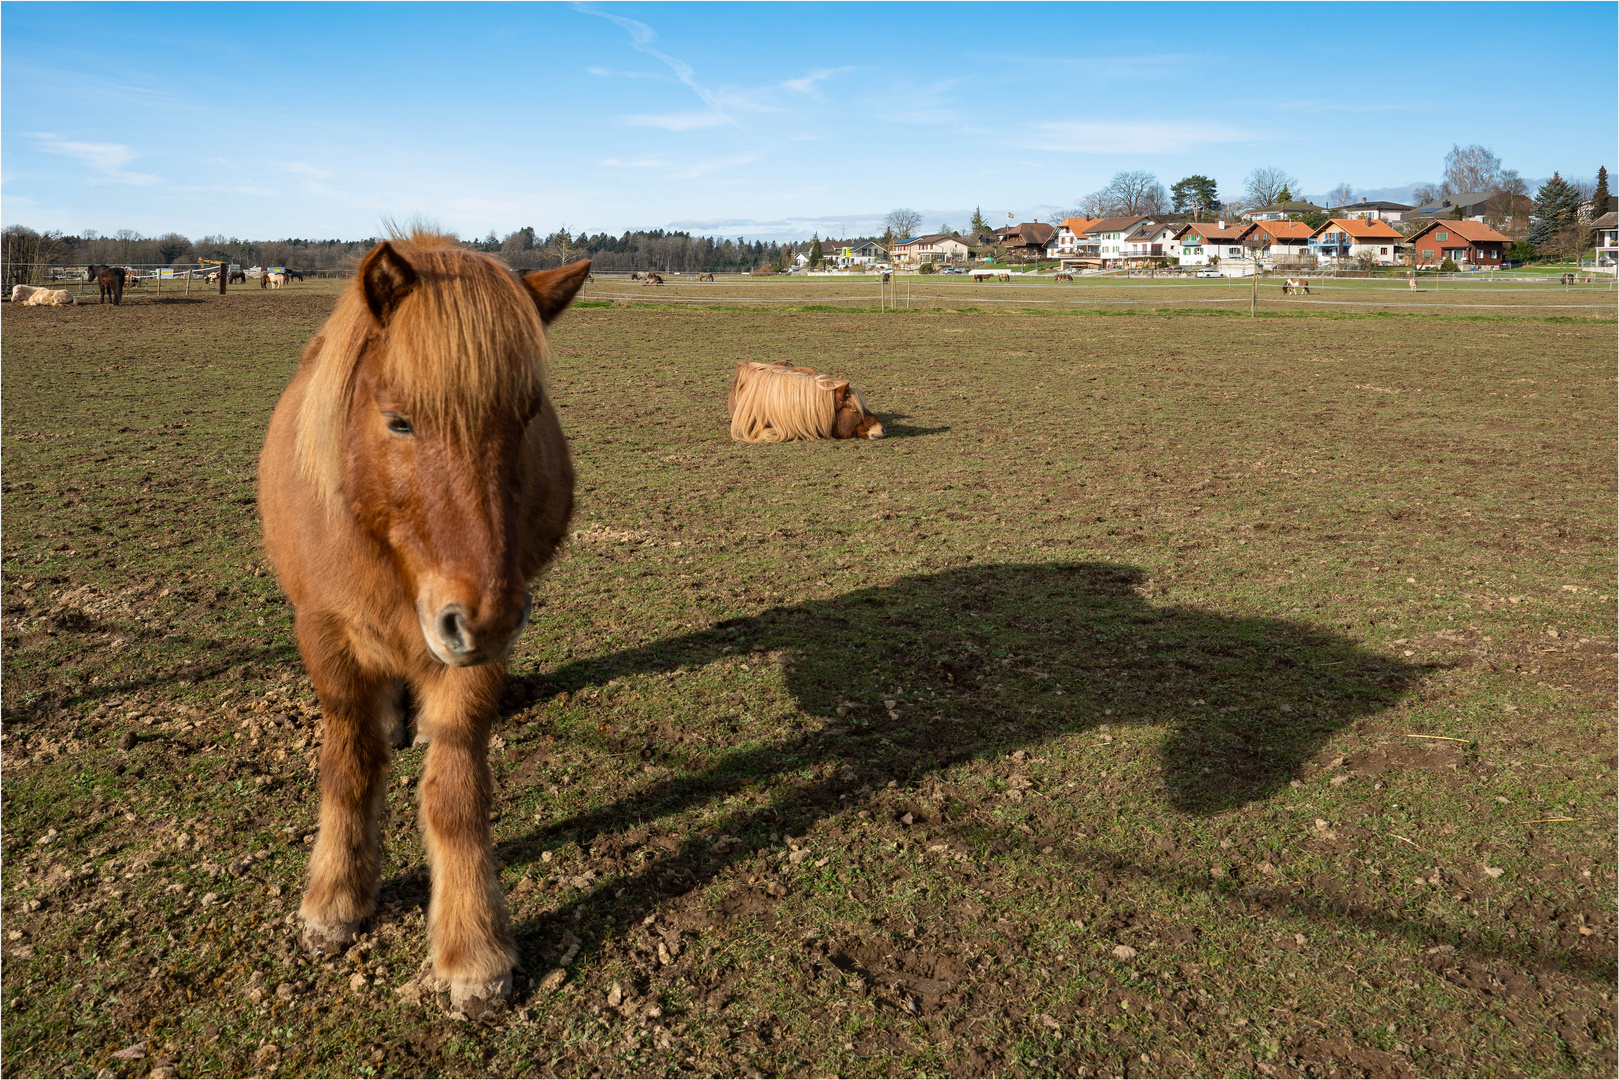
<point>1169,694</point>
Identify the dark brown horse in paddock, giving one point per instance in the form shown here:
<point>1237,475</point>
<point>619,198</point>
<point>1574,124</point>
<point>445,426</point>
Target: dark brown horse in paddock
<point>414,480</point>
<point>237,277</point>
<point>110,280</point>
<point>705,277</point>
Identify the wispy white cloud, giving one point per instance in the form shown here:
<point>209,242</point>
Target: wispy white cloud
<point>641,38</point>
<point>1146,137</point>
<point>810,84</point>
<point>609,73</point>
<point>691,121</point>
<point>635,163</point>
<point>303,168</point>
<point>106,160</point>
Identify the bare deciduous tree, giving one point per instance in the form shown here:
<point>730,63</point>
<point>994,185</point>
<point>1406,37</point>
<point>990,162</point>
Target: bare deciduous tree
<point>1511,202</point>
<point>1471,168</point>
<point>1341,195</point>
<point>1423,194</point>
<point>903,223</point>
<point>1135,192</point>
<point>1265,184</point>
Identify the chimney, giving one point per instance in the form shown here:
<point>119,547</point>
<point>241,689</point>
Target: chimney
<point>1220,224</point>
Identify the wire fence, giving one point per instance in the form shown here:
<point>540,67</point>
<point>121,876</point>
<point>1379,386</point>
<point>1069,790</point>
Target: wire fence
<point>137,276</point>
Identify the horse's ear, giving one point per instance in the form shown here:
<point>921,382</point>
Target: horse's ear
<point>553,290</point>
<point>387,279</point>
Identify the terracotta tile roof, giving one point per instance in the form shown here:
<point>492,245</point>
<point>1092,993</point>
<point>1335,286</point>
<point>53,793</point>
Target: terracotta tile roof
<point>1211,231</point>
<point>1285,230</point>
<point>1473,232</point>
<point>1078,225</point>
<point>1359,229</point>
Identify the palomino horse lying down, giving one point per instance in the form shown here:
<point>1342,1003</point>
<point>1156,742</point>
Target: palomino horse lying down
<point>414,480</point>
<point>50,298</point>
<point>779,403</point>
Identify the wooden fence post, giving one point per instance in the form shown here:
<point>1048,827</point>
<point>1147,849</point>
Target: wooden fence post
<point>224,275</point>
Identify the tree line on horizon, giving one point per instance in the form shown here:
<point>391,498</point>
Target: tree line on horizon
<point>1549,224</point>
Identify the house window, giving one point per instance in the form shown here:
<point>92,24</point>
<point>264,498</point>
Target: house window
<point>1442,237</point>
<point>1382,251</point>
<point>1428,254</point>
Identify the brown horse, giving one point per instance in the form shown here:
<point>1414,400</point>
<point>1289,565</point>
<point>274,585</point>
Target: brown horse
<point>1064,277</point>
<point>414,479</point>
<point>779,402</point>
<point>705,277</point>
<point>1295,285</point>
<point>653,279</point>
<point>110,280</point>
<point>1004,277</point>
<point>983,277</point>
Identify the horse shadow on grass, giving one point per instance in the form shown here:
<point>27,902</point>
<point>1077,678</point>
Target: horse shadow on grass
<point>894,429</point>
<point>979,662</point>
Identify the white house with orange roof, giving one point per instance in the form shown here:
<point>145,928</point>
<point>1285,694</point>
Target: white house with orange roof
<point>1348,239</point>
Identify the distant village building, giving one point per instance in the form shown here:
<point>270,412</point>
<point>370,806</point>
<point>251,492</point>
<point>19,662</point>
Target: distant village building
<point>1471,245</point>
<point>1282,211</point>
<point>1380,210</point>
<point>933,248</point>
<point>1348,239</point>
<point>1472,204</point>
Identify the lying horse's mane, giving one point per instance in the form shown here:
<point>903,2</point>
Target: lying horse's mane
<point>779,404</point>
<point>463,343</point>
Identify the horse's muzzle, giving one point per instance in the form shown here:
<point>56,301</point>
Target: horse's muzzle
<point>453,639</point>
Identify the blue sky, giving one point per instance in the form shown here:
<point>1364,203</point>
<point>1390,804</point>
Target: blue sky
<point>765,120</point>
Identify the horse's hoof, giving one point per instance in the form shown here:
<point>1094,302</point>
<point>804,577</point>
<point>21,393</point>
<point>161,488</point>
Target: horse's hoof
<point>324,940</point>
<point>481,1000</point>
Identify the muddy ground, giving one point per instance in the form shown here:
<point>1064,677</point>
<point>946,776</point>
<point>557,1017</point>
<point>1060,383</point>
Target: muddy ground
<point>1167,695</point>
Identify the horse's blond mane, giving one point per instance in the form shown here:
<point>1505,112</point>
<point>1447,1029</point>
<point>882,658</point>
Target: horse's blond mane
<point>777,404</point>
<point>465,344</point>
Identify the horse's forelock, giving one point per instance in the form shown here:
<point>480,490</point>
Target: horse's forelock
<point>465,348</point>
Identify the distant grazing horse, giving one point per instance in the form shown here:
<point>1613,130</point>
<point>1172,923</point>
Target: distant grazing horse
<point>295,275</point>
<point>49,298</point>
<point>983,277</point>
<point>414,480</point>
<point>635,275</point>
<point>652,279</point>
<point>264,279</point>
<point>1004,277</point>
<point>1566,279</point>
<point>779,403</point>
<point>110,279</point>
<point>276,280</point>
<point>1064,277</point>
<point>1296,285</point>
<point>235,277</point>
<point>705,277</point>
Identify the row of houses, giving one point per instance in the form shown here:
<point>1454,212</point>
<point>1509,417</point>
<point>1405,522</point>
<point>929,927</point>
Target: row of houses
<point>1139,241</point>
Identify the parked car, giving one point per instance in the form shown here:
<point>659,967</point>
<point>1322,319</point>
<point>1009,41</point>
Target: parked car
<point>1209,272</point>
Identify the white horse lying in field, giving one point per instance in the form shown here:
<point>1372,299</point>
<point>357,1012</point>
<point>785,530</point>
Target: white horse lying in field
<point>49,298</point>
<point>19,293</point>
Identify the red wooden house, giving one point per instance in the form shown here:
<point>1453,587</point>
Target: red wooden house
<point>1470,244</point>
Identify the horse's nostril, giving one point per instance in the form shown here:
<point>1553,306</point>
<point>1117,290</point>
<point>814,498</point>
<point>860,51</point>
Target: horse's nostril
<point>452,629</point>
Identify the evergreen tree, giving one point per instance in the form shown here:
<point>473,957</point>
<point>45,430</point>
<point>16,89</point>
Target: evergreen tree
<point>1284,195</point>
<point>1599,199</point>
<point>1557,207</point>
<point>979,225</point>
<point>1196,195</point>
<point>815,252</point>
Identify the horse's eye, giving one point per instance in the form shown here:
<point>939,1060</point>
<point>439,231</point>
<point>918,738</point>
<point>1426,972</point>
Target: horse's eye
<point>398,424</point>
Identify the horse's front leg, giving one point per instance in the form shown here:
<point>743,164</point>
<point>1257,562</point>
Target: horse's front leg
<point>345,866</point>
<point>471,934</point>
